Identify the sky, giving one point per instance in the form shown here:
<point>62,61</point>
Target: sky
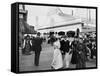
<point>34,11</point>
<point>37,12</point>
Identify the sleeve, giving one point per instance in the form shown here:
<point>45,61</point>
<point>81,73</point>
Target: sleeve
<point>57,43</point>
<point>31,42</point>
<point>89,51</point>
<point>24,43</point>
<point>72,44</point>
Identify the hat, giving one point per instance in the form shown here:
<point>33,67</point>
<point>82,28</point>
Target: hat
<point>27,36</point>
<point>71,33</point>
<point>38,33</point>
<point>61,33</point>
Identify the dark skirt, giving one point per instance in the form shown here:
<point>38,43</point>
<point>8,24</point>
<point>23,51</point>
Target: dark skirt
<point>81,61</point>
<point>74,58</point>
<point>26,50</point>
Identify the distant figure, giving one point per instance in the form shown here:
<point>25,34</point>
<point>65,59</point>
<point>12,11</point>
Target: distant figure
<point>52,39</point>
<point>37,48</point>
<point>57,62</point>
<point>93,52</point>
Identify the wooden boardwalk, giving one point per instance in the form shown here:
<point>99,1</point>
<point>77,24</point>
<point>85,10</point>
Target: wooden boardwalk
<point>27,61</point>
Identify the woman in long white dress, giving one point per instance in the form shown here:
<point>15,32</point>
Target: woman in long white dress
<point>57,62</point>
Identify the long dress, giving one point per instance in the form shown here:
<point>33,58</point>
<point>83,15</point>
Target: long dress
<point>74,57</point>
<point>27,47</point>
<point>81,57</point>
<point>57,61</point>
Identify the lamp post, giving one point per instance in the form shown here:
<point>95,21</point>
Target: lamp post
<point>72,12</point>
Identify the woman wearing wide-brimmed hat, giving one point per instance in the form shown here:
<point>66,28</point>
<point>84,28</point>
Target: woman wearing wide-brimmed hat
<point>27,45</point>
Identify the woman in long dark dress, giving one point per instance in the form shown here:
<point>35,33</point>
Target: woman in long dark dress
<point>81,55</point>
<point>27,45</point>
<point>74,57</point>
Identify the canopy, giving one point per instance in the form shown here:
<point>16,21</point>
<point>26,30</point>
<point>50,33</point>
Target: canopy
<point>61,33</point>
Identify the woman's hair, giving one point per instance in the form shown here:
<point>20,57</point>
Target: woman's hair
<point>55,39</point>
<point>56,44</point>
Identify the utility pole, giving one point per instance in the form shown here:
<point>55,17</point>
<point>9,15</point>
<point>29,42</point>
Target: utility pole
<point>89,15</point>
<point>72,12</point>
<point>37,22</point>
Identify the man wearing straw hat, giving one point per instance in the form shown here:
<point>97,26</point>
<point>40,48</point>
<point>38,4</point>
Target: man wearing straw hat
<point>68,53</point>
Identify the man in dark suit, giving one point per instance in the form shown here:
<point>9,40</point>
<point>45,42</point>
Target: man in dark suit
<point>64,46</point>
<point>37,48</point>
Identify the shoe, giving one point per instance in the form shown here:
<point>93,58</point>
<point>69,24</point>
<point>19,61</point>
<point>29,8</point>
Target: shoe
<point>36,64</point>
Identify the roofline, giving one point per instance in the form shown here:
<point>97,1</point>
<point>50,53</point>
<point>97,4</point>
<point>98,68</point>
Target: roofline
<point>57,5</point>
<point>61,26</point>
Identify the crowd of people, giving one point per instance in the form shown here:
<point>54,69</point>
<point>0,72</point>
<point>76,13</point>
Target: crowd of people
<point>74,50</point>
<point>68,49</point>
